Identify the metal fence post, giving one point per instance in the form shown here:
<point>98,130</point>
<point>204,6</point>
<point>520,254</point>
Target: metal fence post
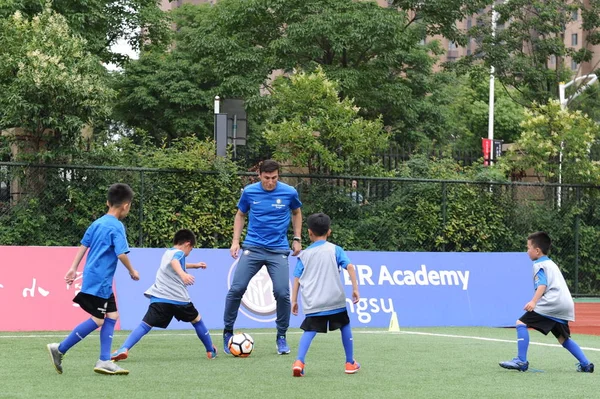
<point>141,217</point>
<point>444,200</point>
<point>577,232</point>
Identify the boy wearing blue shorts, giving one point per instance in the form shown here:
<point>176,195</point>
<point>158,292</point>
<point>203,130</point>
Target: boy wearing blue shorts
<point>550,309</point>
<point>317,274</point>
<point>169,297</point>
<point>107,244</point>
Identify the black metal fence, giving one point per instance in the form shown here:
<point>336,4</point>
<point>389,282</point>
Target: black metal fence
<point>53,205</point>
<point>390,159</point>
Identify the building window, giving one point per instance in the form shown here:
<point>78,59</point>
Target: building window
<point>423,41</point>
<point>469,23</point>
<point>552,59</point>
<point>451,45</point>
<point>575,15</point>
<point>574,39</point>
<point>574,65</point>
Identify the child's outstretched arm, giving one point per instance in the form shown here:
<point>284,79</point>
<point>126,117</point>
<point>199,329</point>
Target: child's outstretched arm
<point>352,273</point>
<point>132,272</point>
<point>188,279</point>
<point>294,297</point>
<point>72,272</point>
<point>198,265</point>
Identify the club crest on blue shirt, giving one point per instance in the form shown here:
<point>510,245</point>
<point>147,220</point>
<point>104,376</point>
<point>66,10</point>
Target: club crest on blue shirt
<point>278,204</point>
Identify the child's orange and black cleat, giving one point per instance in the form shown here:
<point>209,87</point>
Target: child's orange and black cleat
<point>353,367</point>
<point>298,369</point>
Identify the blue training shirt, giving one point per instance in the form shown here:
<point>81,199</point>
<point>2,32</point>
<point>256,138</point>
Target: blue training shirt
<point>106,239</point>
<point>269,214</point>
<point>342,261</point>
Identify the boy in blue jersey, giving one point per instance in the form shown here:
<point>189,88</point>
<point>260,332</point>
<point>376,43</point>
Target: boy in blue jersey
<point>169,297</point>
<point>317,273</point>
<point>269,204</point>
<point>107,244</point>
<point>550,309</point>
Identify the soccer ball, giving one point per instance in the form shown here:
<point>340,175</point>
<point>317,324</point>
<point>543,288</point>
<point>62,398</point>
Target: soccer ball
<point>241,345</point>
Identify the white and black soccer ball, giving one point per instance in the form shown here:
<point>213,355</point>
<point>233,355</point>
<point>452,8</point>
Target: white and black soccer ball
<point>241,345</point>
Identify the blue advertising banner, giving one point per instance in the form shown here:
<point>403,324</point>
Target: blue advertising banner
<point>424,289</point>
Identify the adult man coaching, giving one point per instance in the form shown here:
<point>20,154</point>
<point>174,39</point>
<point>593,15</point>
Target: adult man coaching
<point>269,204</point>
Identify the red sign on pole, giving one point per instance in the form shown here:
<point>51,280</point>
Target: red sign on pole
<point>486,145</point>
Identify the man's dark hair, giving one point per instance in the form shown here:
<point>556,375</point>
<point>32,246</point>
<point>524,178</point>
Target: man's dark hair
<point>541,240</point>
<point>319,223</point>
<point>118,194</point>
<point>183,236</point>
<point>268,166</point>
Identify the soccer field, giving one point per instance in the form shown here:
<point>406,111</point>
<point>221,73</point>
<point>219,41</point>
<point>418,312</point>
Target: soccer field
<point>412,363</point>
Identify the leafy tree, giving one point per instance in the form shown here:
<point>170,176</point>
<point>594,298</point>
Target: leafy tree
<point>373,53</point>
<point>164,94</point>
<point>233,48</point>
<point>550,132</point>
<point>50,86</point>
<point>311,127</point>
<point>103,22</point>
<point>171,94</point>
<point>464,104</point>
<point>529,51</point>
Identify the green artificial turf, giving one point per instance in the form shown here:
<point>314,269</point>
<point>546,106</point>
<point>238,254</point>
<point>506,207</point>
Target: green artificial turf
<point>414,363</point>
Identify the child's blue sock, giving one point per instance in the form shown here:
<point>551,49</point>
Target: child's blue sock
<point>203,334</point>
<point>106,336</point>
<point>78,333</point>
<point>522,342</point>
<point>576,351</point>
<point>136,335</point>
<point>348,344</point>
<point>304,344</point>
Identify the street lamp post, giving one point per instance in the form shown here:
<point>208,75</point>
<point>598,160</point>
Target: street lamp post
<point>492,86</point>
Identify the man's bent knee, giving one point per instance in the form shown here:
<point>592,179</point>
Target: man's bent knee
<point>283,294</point>
<point>236,292</point>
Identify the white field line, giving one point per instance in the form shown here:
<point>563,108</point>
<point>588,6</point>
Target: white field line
<point>489,339</point>
<point>355,331</point>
